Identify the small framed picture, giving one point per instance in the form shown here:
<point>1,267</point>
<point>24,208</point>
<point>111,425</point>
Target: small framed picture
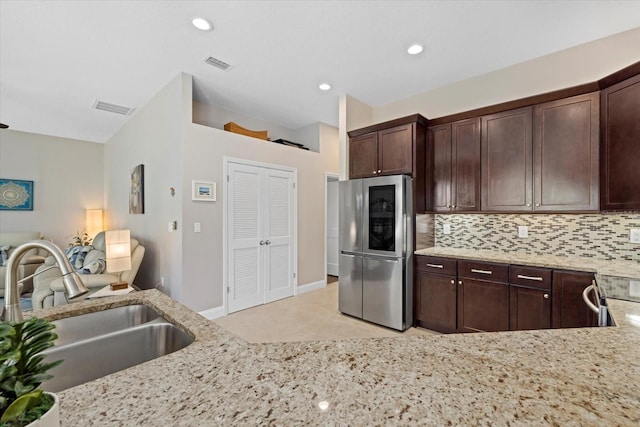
<point>203,191</point>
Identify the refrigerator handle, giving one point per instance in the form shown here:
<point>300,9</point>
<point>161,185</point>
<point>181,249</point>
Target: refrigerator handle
<point>343,253</point>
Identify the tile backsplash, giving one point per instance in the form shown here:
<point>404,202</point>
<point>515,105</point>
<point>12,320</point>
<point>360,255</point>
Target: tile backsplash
<point>598,235</point>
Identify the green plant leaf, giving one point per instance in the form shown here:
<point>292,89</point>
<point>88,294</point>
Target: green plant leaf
<point>21,405</point>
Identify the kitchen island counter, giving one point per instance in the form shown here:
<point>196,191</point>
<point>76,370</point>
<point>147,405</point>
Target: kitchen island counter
<point>563,376</point>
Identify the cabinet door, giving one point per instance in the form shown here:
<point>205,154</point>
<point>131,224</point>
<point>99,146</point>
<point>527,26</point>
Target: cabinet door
<point>530,308</point>
<point>439,140</point>
<point>363,156</point>
<point>436,302</point>
<point>506,161</point>
<point>395,150</point>
<point>569,309</point>
<point>482,306</point>
<point>620,154</point>
<point>465,165</point>
<point>565,154</point>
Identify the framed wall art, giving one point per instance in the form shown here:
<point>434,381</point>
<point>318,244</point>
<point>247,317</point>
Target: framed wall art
<point>16,195</point>
<point>136,194</point>
<point>203,191</point>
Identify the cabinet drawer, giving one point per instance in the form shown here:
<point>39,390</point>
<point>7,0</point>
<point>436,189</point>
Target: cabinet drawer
<point>437,265</point>
<point>483,271</point>
<point>531,277</point>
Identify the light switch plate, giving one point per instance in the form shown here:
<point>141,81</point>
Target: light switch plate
<point>523,231</point>
<point>446,228</point>
<point>634,235</point>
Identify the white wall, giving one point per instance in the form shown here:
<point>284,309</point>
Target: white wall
<point>67,175</point>
<point>204,150</point>
<point>570,67</point>
<point>152,137</point>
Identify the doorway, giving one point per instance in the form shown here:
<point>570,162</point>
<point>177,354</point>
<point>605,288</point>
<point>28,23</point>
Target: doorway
<point>331,225</point>
<point>260,238</point>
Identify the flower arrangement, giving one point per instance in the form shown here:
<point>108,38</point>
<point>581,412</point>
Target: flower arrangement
<point>81,238</point>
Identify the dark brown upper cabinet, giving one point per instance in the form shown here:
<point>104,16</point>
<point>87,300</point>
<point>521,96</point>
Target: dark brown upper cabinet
<point>507,167</point>
<point>542,158</point>
<point>620,152</point>
<point>456,165</point>
<point>396,147</point>
<point>386,152</point>
<point>566,154</point>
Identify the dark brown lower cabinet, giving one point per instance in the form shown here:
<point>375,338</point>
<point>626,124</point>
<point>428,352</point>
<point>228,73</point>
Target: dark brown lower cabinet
<point>436,293</point>
<point>436,302</point>
<point>483,296</point>
<point>530,308</point>
<point>482,306</point>
<point>569,309</point>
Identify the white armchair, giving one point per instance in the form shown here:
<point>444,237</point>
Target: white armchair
<point>49,290</point>
<point>28,263</point>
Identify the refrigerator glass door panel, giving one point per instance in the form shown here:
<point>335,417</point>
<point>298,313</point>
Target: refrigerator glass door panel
<point>383,291</point>
<point>350,285</point>
<point>350,215</point>
<point>384,215</point>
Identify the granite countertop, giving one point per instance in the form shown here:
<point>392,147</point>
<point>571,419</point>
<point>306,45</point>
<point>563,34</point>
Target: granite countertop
<point>557,377</point>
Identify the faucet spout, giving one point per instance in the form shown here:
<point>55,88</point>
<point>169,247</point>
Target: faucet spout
<point>72,282</point>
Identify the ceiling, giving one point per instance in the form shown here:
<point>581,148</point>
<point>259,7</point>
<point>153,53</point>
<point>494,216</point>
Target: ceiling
<point>58,57</point>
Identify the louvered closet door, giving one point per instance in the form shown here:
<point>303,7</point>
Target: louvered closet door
<point>260,235</point>
<point>244,235</point>
<point>279,234</point>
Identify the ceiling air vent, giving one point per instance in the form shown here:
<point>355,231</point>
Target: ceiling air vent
<point>217,63</point>
<point>112,108</point>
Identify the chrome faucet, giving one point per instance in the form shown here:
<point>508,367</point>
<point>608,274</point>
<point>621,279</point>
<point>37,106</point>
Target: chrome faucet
<point>72,282</point>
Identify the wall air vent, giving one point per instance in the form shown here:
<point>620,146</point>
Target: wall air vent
<point>217,63</point>
<point>112,108</point>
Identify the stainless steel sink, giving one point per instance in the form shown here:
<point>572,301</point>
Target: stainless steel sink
<point>84,326</point>
<point>111,347</point>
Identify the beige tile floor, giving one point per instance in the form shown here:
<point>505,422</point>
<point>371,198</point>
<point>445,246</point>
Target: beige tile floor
<point>308,317</point>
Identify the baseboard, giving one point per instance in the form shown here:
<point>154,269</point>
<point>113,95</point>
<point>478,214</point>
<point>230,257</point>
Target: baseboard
<point>212,313</point>
<point>312,286</point>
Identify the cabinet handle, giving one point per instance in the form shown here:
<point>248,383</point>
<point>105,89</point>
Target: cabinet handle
<point>538,204</point>
<point>546,296</point>
<point>473,270</point>
<point>522,276</point>
<point>453,206</point>
<point>449,206</point>
<point>261,242</point>
<point>435,265</point>
<point>459,282</point>
<point>268,242</point>
<point>453,282</point>
<point>374,172</point>
<point>379,170</point>
<point>528,204</point>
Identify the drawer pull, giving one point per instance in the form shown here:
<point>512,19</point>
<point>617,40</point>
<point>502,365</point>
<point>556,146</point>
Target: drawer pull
<point>435,265</point>
<point>522,276</point>
<point>473,270</point>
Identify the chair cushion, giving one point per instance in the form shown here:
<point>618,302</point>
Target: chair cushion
<point>4,254</point>
<point>94,263</point>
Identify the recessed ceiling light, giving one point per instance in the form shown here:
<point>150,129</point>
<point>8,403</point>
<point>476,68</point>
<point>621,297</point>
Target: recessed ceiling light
<point>415,49</point>
<point>324,86</point>
<point>201,23</point>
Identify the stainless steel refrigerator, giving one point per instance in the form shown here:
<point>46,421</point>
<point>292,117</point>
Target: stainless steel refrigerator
<point>376,250</point>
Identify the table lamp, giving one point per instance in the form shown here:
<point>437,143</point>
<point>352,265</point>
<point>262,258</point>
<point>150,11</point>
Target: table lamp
<point>118,251</point>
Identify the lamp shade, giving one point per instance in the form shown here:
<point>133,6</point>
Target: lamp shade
<point>93,223</point>
<point>118,250</point>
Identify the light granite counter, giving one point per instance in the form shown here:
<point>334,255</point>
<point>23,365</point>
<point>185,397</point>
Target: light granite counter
<point>565,377</point>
